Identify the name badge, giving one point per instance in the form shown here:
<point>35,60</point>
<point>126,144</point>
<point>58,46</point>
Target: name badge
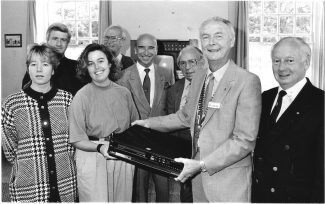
<point>214,105</point>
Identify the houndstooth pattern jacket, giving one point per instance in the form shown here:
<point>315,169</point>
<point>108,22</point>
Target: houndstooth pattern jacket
<point>34,130</point>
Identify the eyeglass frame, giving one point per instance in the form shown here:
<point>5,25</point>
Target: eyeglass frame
<point>111,38</point>
<point>185,63</point>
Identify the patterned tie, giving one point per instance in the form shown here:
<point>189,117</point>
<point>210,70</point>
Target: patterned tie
<point>208,93</point>
<point>208,84</point>
<point>277,107</point>
<point>146,85</point>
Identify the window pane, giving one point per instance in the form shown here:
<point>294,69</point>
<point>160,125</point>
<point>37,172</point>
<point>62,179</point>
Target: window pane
<point>95,41</point>
<point>254,7</point>
<point>72,27</point>
<point>270,7</point>
<point>286,7</point>
<point>82,10</point>
<point>271,39</point>
<point>254,39</point>
<point>55,14</point>
<point>83,29</point>
<point>286,24</point>
<point>83,42</point>
<point>303,24</point>
<point>303,7</point>
<point>94,27</point>
<point>254,24</point>
<point>270,25</point>
<point>94,10</point>
<point>68,11</point>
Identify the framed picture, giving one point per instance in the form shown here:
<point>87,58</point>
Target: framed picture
<point>13,40</point>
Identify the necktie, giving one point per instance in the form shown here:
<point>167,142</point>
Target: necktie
<point>146,85</point>
<point>208,92</point>
<point>277,107</point>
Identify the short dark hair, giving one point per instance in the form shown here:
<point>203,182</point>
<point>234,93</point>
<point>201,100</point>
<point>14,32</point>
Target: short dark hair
<point>82,70</point>
<point>58,27</point>
<point>44,51</point>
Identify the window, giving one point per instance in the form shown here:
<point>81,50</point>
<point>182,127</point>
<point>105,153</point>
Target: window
<point>81,17</point>
<point>270,21</point>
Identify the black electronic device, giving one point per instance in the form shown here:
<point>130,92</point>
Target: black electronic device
<point>150,149</point>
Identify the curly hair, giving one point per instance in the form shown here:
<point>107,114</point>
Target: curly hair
<point>82,70</point>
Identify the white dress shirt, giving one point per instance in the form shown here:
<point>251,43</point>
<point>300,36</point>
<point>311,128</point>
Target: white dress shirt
<point>142,74</point>
<point>289,97</point>
<point>217,77</point>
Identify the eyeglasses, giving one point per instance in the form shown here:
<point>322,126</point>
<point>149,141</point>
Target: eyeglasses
<point>190,63</point>
<point>111,38</point>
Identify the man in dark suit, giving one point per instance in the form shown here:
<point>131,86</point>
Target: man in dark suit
<point>58,37</point>
<point>289,153</point>
<point>114,38</point>
<point>147,85</point>
<point>189,60</point>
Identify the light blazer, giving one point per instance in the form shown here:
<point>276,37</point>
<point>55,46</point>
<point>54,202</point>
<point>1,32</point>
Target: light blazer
<point>228,132</point>
<point>131,80</point>
<point>289,157</point>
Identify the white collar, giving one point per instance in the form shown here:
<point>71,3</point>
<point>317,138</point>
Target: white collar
<point>151,67</point>
<point>119,57</point>
<point>293,91</point>
<point>220,72</point>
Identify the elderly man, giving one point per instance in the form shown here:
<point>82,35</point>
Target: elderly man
<point>289,154</point>
<point>189,60</point>
<point>147,84</point>
<point>223,111</point>
<point>114,38</point>
<point>58,37</point>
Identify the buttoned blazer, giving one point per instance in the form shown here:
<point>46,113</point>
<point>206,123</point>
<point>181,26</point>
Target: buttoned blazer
<point>131,80</point>
<point>289,157</point>
<point>228,132</point>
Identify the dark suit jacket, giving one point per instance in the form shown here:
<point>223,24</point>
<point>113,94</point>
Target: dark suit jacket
<point>64,76</point>
<point>126,62</point>
<point>289,157</point>
<point>131,80</point>
<point>174,97</point>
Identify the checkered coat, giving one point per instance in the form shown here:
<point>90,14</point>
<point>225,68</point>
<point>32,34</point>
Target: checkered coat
<point>34,130</point>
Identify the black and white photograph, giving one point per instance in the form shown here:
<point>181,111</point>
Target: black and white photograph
<point>13,40</point>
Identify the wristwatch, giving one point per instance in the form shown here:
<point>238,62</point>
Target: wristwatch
<point>202,165</point>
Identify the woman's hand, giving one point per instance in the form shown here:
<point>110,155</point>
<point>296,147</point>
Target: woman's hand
<point>144,123</point>
<point>104,151</point>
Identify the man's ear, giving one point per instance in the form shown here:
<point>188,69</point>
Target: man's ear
<point>307,61</point>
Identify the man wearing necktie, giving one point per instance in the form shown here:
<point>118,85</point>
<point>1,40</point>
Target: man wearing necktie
<point>224,120</point>
<point>189,60</point>
<point>289,153</point>
<point>147,85</point>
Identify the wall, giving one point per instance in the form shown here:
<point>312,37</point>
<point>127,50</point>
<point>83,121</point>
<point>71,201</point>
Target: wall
<point>13,20</point>
<point>164,19</point>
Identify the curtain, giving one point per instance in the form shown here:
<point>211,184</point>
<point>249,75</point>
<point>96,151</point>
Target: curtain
<point>31,22</point>
<point>318,55</point>
<point>238,15</point>
<point>105,17</point>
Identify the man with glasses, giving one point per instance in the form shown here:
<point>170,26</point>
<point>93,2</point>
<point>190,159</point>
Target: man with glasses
<point>58,37</point>
<point>223,111</point>
<point>147,84</point>
<point>189,60</point>
<point>114,38</point>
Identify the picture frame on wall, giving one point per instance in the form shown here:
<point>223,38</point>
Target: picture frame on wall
<point>13,40</point>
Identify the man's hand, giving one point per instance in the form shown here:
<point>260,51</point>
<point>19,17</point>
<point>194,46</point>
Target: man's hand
<point>191,168</point>
<point>144,123</point>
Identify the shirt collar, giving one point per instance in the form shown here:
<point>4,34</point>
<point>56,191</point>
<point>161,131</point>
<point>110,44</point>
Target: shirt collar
<point>119,57</point>
<point>293,91</point>
<point>142,68</point>
<point>220,72</point>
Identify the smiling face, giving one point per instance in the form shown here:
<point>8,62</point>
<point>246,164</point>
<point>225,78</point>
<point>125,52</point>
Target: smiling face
<point>217,41</point>
<point>40,71</point>
<point>289,64</point>
<point>146,50</point>
<point>98,67</point>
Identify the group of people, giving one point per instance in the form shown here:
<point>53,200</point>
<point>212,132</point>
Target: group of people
<point>246,146</point>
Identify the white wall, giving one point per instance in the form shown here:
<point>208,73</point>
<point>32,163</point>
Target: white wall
<point>13,21</point>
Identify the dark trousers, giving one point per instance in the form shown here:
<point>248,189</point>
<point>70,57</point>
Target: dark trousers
<point>141,186</point>
<point>186,194</point>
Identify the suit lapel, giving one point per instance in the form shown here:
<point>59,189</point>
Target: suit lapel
<point>222,90</point>
<point>137,88</point>
<point>178,94</point>
<point>159,87</point>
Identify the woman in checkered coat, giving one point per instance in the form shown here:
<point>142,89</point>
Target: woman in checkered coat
<point>34,130</point>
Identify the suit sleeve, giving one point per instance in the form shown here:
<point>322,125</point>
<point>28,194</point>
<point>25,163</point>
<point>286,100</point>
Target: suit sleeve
<point>242,140</point>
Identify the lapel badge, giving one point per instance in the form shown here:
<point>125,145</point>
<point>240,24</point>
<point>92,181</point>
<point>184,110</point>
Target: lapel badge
<point>214,105</point>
